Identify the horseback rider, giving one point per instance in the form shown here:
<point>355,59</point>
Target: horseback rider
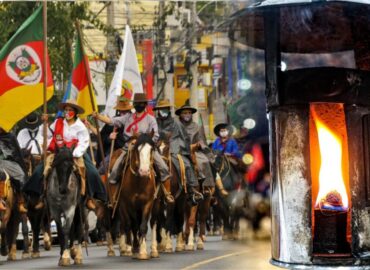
<point>138,122</point>
<point>71,132</point>
<point>179,143</point>
<point>11,166</point>
<point>226,145</point>
<point>204,156</point>
<point>31,136</point>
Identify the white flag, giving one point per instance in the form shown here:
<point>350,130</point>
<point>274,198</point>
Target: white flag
<point>127,79</point>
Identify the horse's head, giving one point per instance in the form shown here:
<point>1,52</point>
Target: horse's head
<point>164,143</point>
<point>28,160</point>
<point>219,159</point>
<point>144,151</point>
<point>63,164</point>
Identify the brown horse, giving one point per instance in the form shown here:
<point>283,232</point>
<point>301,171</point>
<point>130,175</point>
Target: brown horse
<point>137,193</point>
<point>199,212</point>
<point>172,223</point>
<point>9,222</point>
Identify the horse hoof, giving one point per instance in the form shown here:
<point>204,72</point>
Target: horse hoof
<point>35,255</point>
<point>78,261</point>
<point>189,247</point>
<point>143,256</point>
<point>12,257</point>
<point>161,248</point>
<point>111,253</point>
<point>126,253</point>
<point>26,255</point>
<point>4,252</point>
<point>180,248</point>
<point>168,250</point>
<point>200,246</point>
<point>99,243</point>
<point>47,246</point>
<point>64,262</point>
<point>154,254</point>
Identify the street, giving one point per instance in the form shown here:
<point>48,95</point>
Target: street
<point>218,254</point>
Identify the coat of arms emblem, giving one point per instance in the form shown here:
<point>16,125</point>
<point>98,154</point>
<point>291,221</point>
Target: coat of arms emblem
<point>23,65</point>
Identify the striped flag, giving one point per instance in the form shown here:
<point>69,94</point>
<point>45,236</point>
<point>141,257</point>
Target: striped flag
<point>81,79</point>
<point>21,72</point>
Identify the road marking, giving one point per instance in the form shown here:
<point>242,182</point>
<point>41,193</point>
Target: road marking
<point>196,265</point>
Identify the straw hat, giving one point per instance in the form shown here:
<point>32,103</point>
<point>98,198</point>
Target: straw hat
<point>72,103</point>
<point>185,107</point>
<point>163,103</point>
<point>140,97</point>
<point>123,104</point>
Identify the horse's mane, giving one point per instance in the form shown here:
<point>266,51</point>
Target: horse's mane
<point>143,139</point>
<point>62,155</point>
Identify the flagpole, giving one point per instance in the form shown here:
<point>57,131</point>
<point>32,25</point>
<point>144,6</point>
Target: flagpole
<point>92,101</point>
<point>45,110</point>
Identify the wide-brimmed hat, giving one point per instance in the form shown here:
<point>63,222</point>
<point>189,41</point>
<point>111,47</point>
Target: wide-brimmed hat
<point>220,126</point>
<point>140,97</point>
<point>123,104</point>
<point>32,120</point>
<point>72,103</point>
<point>163,103</point>
<point>185,107</point>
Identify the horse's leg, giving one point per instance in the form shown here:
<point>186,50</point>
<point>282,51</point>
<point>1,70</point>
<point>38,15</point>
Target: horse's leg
<point>35,217</point>
<point>26,240</point>
<point>154,251</point>
<point>12,232</point>
<point>190,228</point>
<point>154,225</point>
<point>47,230</point>
<point>4,243</point>
<point>203,210</point>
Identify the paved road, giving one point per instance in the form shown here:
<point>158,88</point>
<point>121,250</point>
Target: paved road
<point>218,254</point>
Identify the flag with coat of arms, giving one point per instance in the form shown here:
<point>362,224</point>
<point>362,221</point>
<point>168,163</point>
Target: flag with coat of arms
<point>21,72</point>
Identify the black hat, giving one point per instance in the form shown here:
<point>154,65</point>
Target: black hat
<point>32,120</point>
<point>220,126</point>
<point>140,97</point>
<point>185,107</point>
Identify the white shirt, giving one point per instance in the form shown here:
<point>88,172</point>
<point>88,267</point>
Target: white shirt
<point>25,141</point>
<point>77,131</point>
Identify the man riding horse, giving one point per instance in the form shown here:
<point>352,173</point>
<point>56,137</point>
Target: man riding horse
<point>11,165</point>
<point>204,156</point>
<point>71,132</point>
<point>31,137</point>
<point>179,143</point>
<point>138,122</point>
<point>227,145</point>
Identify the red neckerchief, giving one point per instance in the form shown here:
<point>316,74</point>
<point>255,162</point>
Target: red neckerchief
<point>136,121</point>
<point>58,139</point>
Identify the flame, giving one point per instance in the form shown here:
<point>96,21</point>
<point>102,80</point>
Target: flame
<point>332,192</point>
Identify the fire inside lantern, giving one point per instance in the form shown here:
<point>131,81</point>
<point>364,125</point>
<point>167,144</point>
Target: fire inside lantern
<point>329,159</point>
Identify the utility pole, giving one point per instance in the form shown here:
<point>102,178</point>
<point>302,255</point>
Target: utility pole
<point>194,65</point>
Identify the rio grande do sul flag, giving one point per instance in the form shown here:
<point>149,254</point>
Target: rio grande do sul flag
<point>21,72</point>
<point>81,79</point>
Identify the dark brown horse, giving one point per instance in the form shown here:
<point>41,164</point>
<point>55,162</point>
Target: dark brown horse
<point>173,221</point>
<point>137,194</point>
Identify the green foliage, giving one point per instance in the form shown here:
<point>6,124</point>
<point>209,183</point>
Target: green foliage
<point>61,29</point>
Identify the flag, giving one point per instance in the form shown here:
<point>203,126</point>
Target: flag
<point>21,72</point>
<point>81,79</point>
<point>126,79</point>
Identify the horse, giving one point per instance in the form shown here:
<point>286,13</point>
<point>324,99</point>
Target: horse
<point>39,219</point>
<point>168,220</point>
<point>137,193</point>
<point>65,205</point>
<point>236,204</point>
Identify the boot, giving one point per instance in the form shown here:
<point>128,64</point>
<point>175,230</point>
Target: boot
<point>166,186</point>
<point>220,186</point>
<point>194,196</point>
<point>90,204</point>
<point>21,208</point>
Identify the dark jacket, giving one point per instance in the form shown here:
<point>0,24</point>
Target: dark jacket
<point>10,150</point>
